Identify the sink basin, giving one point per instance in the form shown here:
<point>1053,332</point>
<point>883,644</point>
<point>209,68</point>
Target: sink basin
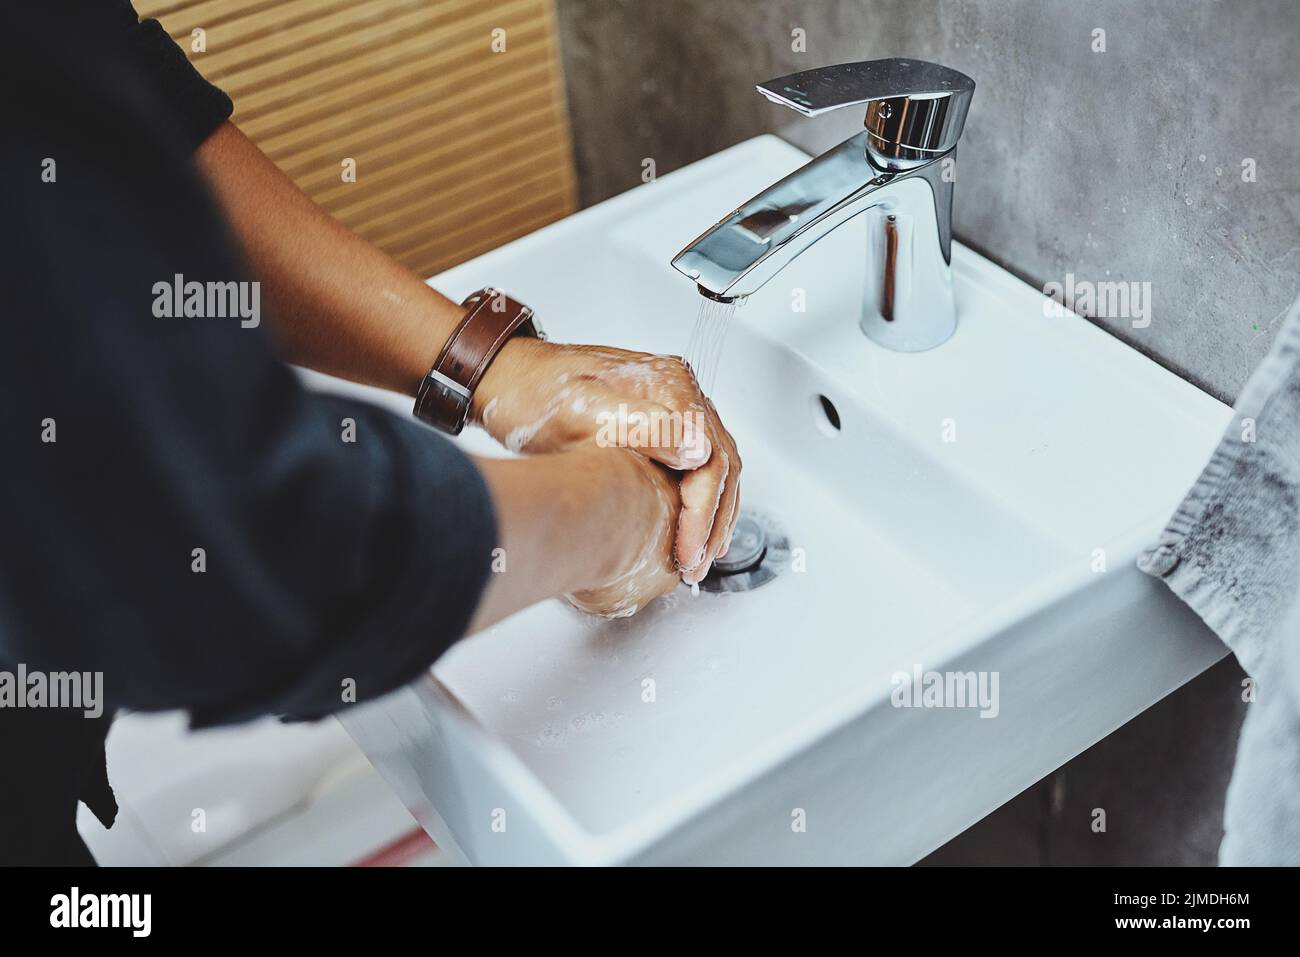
<point>978,510</point>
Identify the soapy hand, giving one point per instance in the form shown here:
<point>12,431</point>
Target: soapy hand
<point>546,397</point>
<point>648,504</point>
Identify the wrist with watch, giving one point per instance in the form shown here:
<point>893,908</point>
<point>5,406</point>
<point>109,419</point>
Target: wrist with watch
<point>492,319</point>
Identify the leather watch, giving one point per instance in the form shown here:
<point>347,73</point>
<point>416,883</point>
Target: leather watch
<point>491,320</point>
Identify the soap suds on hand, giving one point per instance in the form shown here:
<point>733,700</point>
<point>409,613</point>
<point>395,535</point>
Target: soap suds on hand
<point>518,438</point>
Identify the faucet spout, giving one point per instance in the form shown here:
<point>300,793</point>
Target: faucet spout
<point>897,176</point>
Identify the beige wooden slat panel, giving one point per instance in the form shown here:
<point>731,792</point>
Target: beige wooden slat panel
<point>185,14</point>
<point>522,220</point>
<point>252,18</point>
<point>390,229</point>
<point>524,197</point>
<point>390,92</point>
<point>241,43</point>
<point>438,148</point>
<point>344,60</point>
<point>374,42</point>
<point>400,199</point>
<point>405,126</point>
<point>458,149</point>
<point>482,207</point>
<point>412,224</point>
<point>410,202</point>
<point>437,24</point>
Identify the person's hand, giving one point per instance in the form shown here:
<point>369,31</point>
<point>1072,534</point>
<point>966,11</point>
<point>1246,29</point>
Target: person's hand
<point>545,397</point>
<point>647,511</point>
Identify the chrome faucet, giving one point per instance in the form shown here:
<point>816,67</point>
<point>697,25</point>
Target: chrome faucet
<point>899,171</point>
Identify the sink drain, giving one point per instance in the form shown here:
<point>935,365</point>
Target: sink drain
<point>760,551</point>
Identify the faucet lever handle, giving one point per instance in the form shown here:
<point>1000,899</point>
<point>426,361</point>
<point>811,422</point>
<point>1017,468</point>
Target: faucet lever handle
<point>915,109</point>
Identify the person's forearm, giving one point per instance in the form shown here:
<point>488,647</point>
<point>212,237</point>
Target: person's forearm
<point>337,304</point>
<point>342,306</point>
<point>557,517</point>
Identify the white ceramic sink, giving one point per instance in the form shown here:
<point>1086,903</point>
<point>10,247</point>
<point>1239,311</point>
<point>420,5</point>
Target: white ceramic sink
<point>772,709</point>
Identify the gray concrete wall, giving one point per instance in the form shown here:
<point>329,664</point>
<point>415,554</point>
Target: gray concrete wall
<point>1125,164</point>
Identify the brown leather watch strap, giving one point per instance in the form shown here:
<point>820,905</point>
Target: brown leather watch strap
<point>492,318</point>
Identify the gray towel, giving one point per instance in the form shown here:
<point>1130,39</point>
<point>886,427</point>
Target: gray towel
<point>1232,553</point>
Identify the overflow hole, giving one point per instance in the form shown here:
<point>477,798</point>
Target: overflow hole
<point>827,416</point>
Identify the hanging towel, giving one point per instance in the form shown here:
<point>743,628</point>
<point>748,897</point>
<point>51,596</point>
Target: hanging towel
<point>1232,553</point>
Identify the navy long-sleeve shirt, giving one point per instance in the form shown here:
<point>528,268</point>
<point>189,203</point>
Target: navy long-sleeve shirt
<point>178,513</point>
